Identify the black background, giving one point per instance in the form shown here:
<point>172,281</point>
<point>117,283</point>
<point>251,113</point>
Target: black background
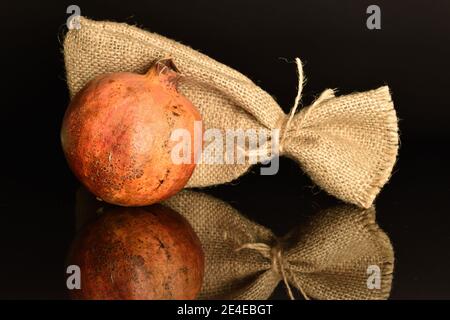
<point>410,53</point>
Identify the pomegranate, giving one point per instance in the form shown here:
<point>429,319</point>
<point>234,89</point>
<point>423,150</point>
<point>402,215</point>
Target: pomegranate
<point>116,135</point>
<point>137,253</point>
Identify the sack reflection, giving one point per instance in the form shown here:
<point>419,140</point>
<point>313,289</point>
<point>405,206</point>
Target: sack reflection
<point>339,253</point>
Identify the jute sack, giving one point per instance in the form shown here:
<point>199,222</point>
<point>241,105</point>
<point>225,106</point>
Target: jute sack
<point>347,144</point>
<point>333,256</point>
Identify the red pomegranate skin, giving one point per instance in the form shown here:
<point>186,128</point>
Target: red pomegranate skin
<point>116,136</point>
<point>144,253</point>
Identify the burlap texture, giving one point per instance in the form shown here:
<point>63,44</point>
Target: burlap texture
<point>347,145</point>
<point>327,258</point>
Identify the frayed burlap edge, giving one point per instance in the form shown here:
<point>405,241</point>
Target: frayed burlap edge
<point>389,159</point>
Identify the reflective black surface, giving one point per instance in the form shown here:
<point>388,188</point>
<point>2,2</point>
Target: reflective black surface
<point>410,54</point>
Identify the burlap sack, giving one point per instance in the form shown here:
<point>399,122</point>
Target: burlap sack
<point>347,145</point>
<point>327,258</point>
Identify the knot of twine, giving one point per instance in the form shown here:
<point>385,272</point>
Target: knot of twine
<point>279,265</point>
<point>284,124</point>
